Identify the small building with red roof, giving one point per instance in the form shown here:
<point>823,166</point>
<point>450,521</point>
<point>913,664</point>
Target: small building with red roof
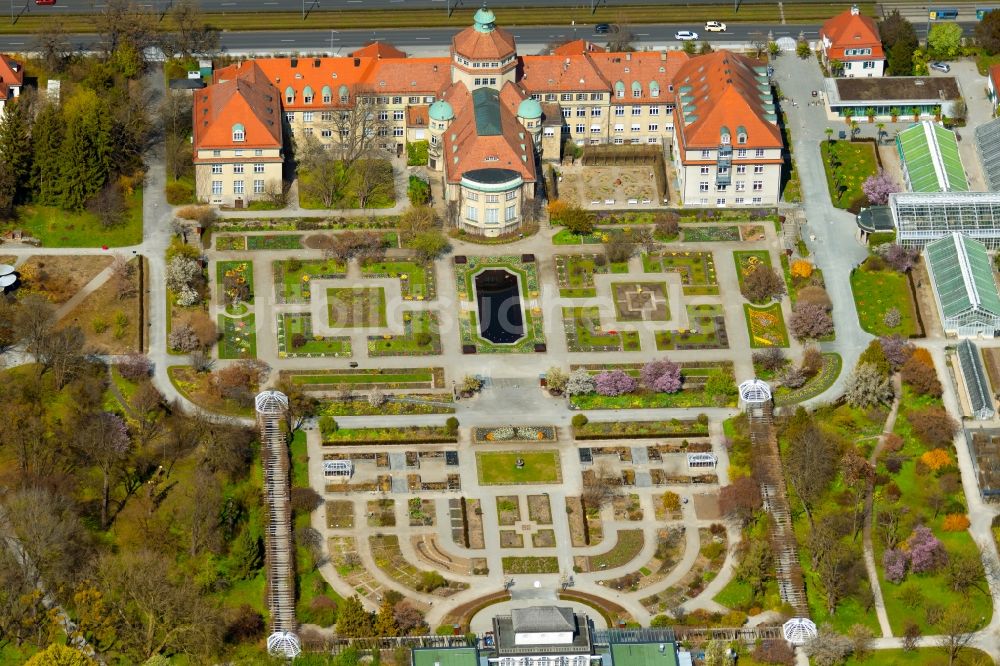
<point>11,79</point>
<point>993,85</point>
<point>849,42</point>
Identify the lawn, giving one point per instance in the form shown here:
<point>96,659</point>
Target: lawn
<point>766,326</point>
<point>387,379</point>
<point>384,195</point>
<point>927,654</point>
<point>816,385</point>
<point>875,292</point>
<point>575,273</point>
<point>706,330</point>
<point>293,276</point>
<point>416,279</point>
<point>847,165</point>
<point>583,332</point>
<point>567,237</point>
<point>626,549</point>
<point>239,337</point>
<point>296,338</point>
<point>59,228</point>
<point>349,307</point>
<point>499,468</point>
<point>274,242</point>
<point>697,270</point>
<point>530,565</point>
<point>421,337</point>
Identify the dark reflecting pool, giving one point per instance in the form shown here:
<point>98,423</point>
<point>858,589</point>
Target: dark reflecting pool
<point>498,298</point>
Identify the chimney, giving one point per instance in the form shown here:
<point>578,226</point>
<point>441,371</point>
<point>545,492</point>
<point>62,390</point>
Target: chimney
<point>435,68</point>
<point>295,62</point>
<point>854,10</point>
<point>357,62</point>
<point>663,56</point>
<point>316,62</point>
<point>628,57</point>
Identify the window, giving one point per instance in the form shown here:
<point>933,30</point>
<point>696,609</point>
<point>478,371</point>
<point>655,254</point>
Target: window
<point>741,186</point>
<point>619,92</point>
<point>550,97</point>
<point>289,95</point>
<point>397,100</point>
<point>705,170</point>
<point>636,92</point>
<point>636,127</point>
<point>492,198</point>
<point>619,140</point>
<point>595,129</point>
<point>397,115</point>
<point>257,152</point>
<point>308,131</point>
<point>595,112</point>
<point>738,200</point>
<point>216,187</point>
<point>567,113</point>
<point>239,134</point>
<point>471,213</point>
<point>703,186</point>
<point>398,131</point>
<point>511,214</point>
<point>307,116</point>
<point>720,187</point>
<point>581,112</point>
<point>492,216</point>
<point>414,100</point>
<point>758,168</point>
<point>654,110</point>
<point>596,97</point>
<point>290,116</point>
<point>258,187</point>
<point>636,110</point>
<point>326,116</point>
<point>758,185</point>
<point>669,108</point>
<point>383,115</point>
<point>510,196</point>
<point>327,97</point>
<point>741,152</point>
<point>741,138</point>
<point>725,139</point>
<point>327,133</point>
<point>238,152</point>
<point>757,200</point>
<point>566,97</point>
<point>720,201</point>
<point>654,127</point>
<point>868,64</point>
<point>216,153</point>
<point>741,168</point>
<point>258,167</point>
<point>216,168</point>
<point>580,97</point>
<point>382,131</point>
<point>723,171</point>
<point>237,187</point>
<point>472,196</point>
<point>759,152</point>
<point>706,154</point>
<point>619,129</point>
<point>237,168</point>
<point>580,129</point>
<point>619,110</point>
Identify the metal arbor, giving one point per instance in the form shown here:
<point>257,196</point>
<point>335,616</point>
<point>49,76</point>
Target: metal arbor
<point>798,630</point>
<point>755,394</point>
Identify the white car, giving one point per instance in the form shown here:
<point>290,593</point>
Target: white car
<point>715,26</point>
<point>685,35</point>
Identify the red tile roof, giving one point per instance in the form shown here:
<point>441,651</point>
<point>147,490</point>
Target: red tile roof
<point>849,30</point>
<point>11,74</point>
<point>578,47</point>
<point>540,74</point>
<point>416,116</point>
<point>644,69</point>
<point>248,99</point>
<point>995,77</point>
<point>465,149</point>
<point>378,50</point>
<point>495,44</point>
<point>723,90</point>
<point>412,76</point>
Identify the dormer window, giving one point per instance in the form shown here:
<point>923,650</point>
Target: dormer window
<point>725,139</point>
<point>741,138</point>
<point>239,134</point>
<point>289,95</point>
<point>307,95</point>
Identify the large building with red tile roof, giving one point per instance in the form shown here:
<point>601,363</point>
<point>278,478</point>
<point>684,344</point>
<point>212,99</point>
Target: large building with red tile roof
<point>491,116</point>
<point>852,39</point>
<point>11,79</point>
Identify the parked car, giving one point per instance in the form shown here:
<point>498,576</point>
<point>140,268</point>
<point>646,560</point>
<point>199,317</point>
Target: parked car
<point>685,35</point>
<point>715,26</point>
<point>45,2</point>
<point>602,28</point>
<point>940,66</point>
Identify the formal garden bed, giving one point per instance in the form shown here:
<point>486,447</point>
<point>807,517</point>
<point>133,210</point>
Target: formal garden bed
<point>539,509</point>
<point>377,436</point>
<point>501,467</point>
<point>670,543</point>
<point>766,326</point>
<point>697,270</point>
<point>199,388</point>
<point>708,384</point>
<point>575,273</point>
<point>711,555</point>
<point>238,337</point>
<point>530,565</point>
<point>355,379</point>
<point>582,326</point>
<point>508,510</point>
<point>417,282</point>
<point>292,277</point>
<point>640,301</point>
<point>878,291</point>
<point>814,386</point>
<point>473,342</point>
<point>481,435</point>
<point>395,405</point>
<point>747,261</point>
<point>356,307</point>
<point>713,234</point>
<point>296,339</point>
<point>627,547</point>
<point>421,337</point>
<point>640,429</point>
<point>524,268</point>
<point>848,165</point>
<point>339,514</point>
<point>242,242</point>
<point>381,512</point>
<point>706,330</point>
<point>389,558</point>
<point>235,282</point>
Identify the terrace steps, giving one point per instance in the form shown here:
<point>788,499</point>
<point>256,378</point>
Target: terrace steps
<point>279,547</point>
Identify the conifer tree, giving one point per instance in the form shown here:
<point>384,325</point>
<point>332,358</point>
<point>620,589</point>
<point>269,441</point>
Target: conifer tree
<point>15,156</point>
<point>385,621</point>
<point>352,619</point>
<point>47,135</point>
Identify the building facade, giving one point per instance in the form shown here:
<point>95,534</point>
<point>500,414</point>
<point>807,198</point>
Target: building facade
<point>491,117</point>
<point>11,79</point>
<point>852,43</point>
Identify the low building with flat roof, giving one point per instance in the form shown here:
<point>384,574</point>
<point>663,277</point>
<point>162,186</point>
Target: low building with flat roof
<point>444,656</point>
<point>644,654</point>
<point>892,97</point>
<point>543,636</point>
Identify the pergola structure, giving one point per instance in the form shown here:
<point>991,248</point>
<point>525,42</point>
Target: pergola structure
<point>7,277</point>
<point>799,630</point>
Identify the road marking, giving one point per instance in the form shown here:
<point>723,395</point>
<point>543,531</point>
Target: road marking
<point>228,4</point>
<point>16,43</point>
<point>421,37</point>
<point>288,40</point>
<point>642,34</point>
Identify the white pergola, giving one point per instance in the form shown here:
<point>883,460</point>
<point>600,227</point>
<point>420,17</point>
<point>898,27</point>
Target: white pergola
<point>798,630</point>
<point>285,644</point>
<point>271,403</point>
<point>755,392</point>
<point>702,460</point>
<point>338,468</point>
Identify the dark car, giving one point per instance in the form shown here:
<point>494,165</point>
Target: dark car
<point>602,28</point>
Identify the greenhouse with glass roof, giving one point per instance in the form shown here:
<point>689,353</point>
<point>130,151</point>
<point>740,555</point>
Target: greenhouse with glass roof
<point>930,158</point>
<point>964,288</point>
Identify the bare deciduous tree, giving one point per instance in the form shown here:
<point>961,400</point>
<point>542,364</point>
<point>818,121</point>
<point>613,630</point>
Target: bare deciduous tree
<point>192,35</point>
<point>122,22</point>
<point>600,488</point>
